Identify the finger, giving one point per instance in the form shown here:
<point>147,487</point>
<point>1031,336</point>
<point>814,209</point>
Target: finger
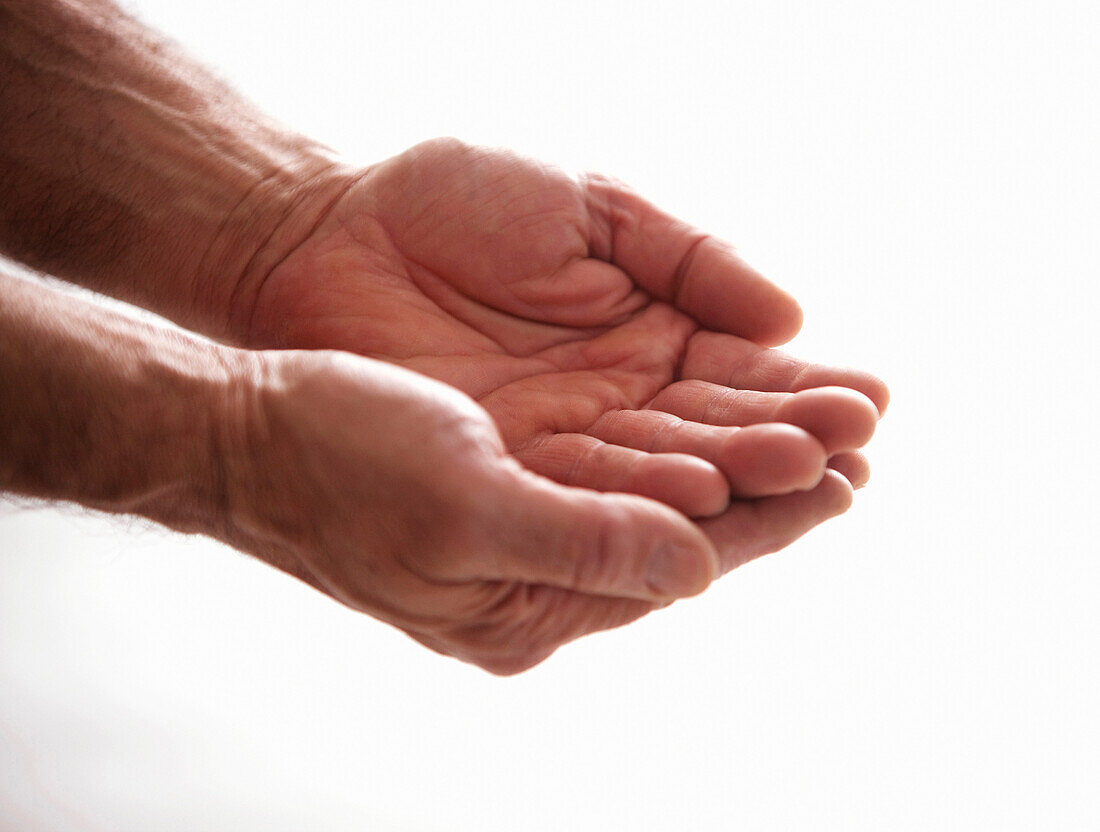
<point>757,461</point>
<point>736,362</point>
<point>536,531</point>
<point>687,483</point>
<point>533,622</point>
<point>753,528</point>
<point>853,466</point>
<point>840,418</point>
<point>676,263</point>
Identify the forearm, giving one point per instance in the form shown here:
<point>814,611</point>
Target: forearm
<point>126,167</point>
<point>100,409</point>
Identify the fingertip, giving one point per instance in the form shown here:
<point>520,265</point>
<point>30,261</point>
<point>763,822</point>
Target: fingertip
<point>853,466</point>
<point>773,458</point>
<point>675,570</point>
<point>680,559</point>
<point>767,314</point>
<point>714,493</point>
<point>880,394</point>
<point>842,418</point>
<point>838,492</point>
<point>785,323</point>
<point>871,386</point>
<point>686,483</point>
<point>806,454</point>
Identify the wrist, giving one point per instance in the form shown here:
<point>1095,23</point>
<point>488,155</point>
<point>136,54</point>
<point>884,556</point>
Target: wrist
<point>189,489</point>
<point>99,409</point>
<point>145,178</point>
<point>274,216</point>
<point>256,460</point>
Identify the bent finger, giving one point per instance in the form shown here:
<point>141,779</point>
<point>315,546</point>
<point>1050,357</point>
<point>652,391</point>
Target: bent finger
<point>698,274</point>
<point>687,483</point>
<point>853,466</point>
<point>736,362</point>
<point>840,418</point>
<point>753,528</point>
<point>757,461</point>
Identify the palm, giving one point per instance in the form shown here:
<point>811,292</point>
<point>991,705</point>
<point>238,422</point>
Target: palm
<point>476,271</point>
<point>559,305</point>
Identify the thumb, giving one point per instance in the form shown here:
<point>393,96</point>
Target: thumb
<point>617,545</point>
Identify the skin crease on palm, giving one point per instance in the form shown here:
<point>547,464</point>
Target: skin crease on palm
<point>612,344</point>
<point>612,347</point>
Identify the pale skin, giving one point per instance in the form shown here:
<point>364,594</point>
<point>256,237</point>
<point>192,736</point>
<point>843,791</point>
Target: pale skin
<point>492,404</point>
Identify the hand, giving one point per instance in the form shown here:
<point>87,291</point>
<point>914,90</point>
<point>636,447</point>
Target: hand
<point>610,346</point>
<point>394,494</point>
<point>614,347</point>
<point>387,490</point>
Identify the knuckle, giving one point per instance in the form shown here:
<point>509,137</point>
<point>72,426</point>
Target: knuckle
<point>600,181</point>
<point>443,143</point>
<point>592,563</point>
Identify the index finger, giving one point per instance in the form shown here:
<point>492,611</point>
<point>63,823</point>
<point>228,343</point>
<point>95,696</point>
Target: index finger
<point>679,264</point>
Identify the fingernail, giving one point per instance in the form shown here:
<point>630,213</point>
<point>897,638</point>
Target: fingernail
<point>674,571</point>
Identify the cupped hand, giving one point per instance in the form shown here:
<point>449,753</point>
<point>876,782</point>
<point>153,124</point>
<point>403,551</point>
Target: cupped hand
<point>615,347</point>
<point>394,494</point>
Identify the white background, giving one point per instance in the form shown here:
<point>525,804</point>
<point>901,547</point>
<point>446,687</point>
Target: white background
<point>924,178</point>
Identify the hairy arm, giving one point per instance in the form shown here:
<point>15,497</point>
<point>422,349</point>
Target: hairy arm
<point>128,168</point>
<point>103,410</point>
